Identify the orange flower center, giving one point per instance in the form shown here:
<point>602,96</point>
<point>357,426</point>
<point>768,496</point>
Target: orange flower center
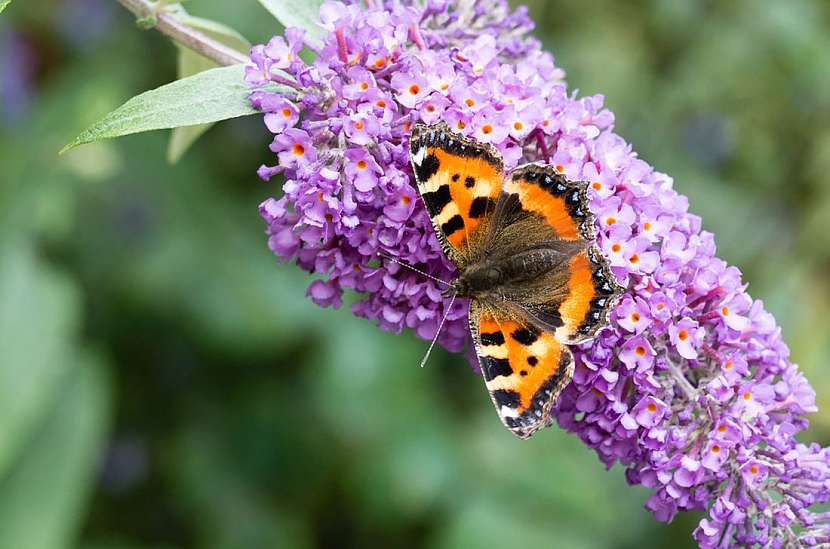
<point>381,103</point>
<point>380,63</point>
<point>298,149</point>
<point>725,311</point>
<point>610,220</point>
<point>728,365</point>
<point>753,469</point>
<point>597,185</point>
<point>405,200</point>
<point>460,125</point>
<point>651,407</point>
<point>286,113</point>
<point>683,335</point>
<point>560,168</point>
<point>487,129</point>
<point>634,258</point>
<point>518,126</point>
<point>747,396</point>
<point>470,102</point>
<point>647,226</point>
<point>362,165</point>
<point>716,449</point>
<point>430,108</point>
<point>722,429</point>
<point>635,317</point>
<point>414,89</point>
<point>616,248</point>
<point>364,86</point>
<point>641,351</point>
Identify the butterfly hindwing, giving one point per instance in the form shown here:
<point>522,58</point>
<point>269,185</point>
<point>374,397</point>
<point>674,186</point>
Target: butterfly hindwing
<point>460,182</point>
<point>524,367</point>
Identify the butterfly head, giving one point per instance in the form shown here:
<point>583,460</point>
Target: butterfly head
<point>477,279</point>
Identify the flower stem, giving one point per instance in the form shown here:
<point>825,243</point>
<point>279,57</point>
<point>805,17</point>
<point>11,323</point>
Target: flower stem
<point>168,24</point>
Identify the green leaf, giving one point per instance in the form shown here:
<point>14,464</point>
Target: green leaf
<point>43,498</point>
<point>217,31</point>
<point>190,63</point>
<point>298,13</point>
<point>210,96</point>
<point>3,4</point>
<point>39,318</point>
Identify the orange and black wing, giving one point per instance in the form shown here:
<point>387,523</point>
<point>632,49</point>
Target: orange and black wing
<point>539,208</point>
<point>524,367</point>
<point>460,181</point>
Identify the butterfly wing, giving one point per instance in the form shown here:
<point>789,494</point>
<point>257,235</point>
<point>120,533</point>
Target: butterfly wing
<point>524,367</point>
<point>460,182</point>
<point>521,339</point>
<point>539,208</point>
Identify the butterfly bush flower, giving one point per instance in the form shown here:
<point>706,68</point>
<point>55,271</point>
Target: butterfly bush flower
<point>690,387</point>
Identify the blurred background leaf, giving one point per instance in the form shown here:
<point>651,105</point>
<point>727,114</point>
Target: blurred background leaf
<point>230,411</point>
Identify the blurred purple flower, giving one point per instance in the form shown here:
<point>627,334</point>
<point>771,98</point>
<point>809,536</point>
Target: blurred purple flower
<point>689,387</point>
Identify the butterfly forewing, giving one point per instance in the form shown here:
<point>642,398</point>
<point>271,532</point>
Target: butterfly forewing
<point>460,182</point>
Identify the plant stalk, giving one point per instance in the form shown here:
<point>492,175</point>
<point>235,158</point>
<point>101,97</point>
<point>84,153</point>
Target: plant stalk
<point>168,24</point>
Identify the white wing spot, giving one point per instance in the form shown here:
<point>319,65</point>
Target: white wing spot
<point>418,157</point>
<point>506,411</point>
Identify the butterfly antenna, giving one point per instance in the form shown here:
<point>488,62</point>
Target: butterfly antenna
<point>441,325</point>
<point>419,271</point>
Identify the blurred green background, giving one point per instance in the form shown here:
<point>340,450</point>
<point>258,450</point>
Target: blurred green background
<point>164,383</point>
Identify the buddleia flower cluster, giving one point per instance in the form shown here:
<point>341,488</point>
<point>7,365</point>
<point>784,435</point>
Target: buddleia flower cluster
<point>690,387</point>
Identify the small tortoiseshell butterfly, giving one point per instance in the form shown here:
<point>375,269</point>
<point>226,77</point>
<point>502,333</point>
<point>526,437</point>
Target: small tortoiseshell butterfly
<point>523,246</point>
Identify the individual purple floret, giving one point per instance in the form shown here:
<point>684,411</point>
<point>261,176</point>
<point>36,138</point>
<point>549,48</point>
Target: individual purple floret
<point>689,387</point>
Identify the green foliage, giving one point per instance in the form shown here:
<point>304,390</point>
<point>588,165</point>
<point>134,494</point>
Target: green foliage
<point>42,499</point>
<point>38,318</point>
<point>190,63</point>
<point>209,96</point>
<point>297,13</point>
<point>4,4</point>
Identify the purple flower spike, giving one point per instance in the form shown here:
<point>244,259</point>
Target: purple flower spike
<point>690,387</point>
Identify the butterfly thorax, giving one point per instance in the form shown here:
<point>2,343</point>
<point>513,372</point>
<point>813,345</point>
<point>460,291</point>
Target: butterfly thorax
<point>485,278</point>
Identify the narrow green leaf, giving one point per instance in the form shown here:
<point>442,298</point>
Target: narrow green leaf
<point>298,13</point>
<point>190,63</point>
<point>210,96</point>
<point>43,498</point>
<point>3,4</point>
<point>39,318</point>
<point>219,31</point>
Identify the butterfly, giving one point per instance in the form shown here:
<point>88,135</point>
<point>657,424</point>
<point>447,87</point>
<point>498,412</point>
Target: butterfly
<point>523,245</point>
